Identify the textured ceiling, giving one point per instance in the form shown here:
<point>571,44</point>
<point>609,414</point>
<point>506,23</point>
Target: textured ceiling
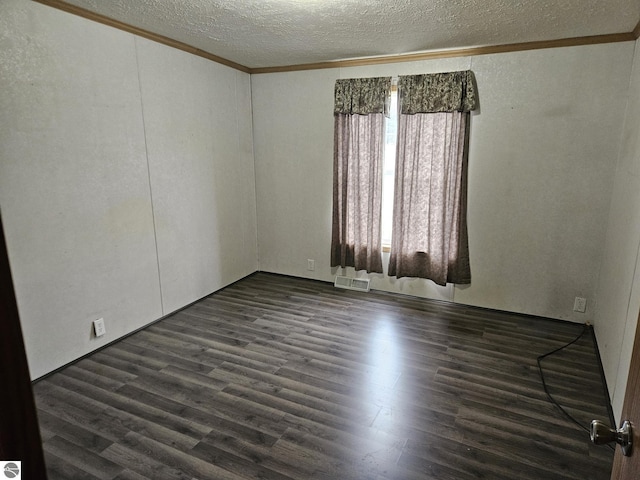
<point>268,33</point>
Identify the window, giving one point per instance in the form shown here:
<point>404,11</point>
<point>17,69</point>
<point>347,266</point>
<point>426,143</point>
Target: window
<point>425,222</point>
<point>388,170</point>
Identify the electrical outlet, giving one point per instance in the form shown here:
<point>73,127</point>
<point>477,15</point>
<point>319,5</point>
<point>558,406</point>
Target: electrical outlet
<point>311,264</point>
<point>98,327</point>
<point>580,305</point>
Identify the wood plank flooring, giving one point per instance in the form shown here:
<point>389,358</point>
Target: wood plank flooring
<point>289,379</point>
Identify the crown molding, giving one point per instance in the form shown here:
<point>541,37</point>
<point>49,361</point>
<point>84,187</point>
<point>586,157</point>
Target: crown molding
<point>96,17</point>
<point>407,57</point>
<point>457,52</point>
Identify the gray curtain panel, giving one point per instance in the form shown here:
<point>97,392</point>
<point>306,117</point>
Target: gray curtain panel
<point>429,213</point>
<point>360,105</point>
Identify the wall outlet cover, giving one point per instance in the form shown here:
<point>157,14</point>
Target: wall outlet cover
<point>99,328</point>
<point>580,305</point>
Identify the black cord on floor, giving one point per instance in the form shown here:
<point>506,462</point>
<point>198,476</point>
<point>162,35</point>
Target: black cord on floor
<point>544,383</point>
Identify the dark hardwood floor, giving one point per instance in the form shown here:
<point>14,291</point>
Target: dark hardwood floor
<point>280,378</point>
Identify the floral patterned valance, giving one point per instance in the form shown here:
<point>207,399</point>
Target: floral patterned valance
<point>362,96</point>
<point>437,92</point>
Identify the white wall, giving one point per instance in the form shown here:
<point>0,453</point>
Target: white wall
<point>110,144</point>
<point>543,153</point>
<point>619,281</point>
<point>199,141</point>
<point>542,160</point>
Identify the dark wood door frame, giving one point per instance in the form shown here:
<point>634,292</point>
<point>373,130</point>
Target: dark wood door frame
<point>19,431</point>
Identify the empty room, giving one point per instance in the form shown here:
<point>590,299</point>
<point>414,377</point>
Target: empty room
<point>320,239</point>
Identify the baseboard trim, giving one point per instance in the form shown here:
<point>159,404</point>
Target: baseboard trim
<point>437,300</point>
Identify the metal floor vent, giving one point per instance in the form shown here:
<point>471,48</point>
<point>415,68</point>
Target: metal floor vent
<point>360,284</point>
